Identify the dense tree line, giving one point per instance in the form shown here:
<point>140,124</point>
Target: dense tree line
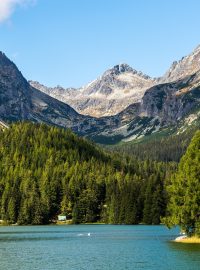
<point>184,191</point>
<point>164,148</point>
<point>46,171</point>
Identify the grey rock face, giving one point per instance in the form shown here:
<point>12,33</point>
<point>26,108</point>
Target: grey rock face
<point>20,101</point>
<point>170,102</point>
<point>156,104</point>
<point>119,87</point>
<point>108,95</point>
<point>187,66</point>
<point>15,100</point>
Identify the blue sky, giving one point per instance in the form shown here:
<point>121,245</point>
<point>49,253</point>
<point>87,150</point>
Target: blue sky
<point>71,42</point>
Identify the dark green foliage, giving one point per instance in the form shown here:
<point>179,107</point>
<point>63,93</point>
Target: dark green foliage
<point>155,201</point>
<point>184,191</point>
<point>164,148</point>
<point>47,171</point>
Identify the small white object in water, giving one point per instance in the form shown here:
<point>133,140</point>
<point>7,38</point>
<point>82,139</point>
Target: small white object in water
<point>89,234</point>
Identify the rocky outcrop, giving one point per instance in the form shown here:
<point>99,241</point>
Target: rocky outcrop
<point>171,102</point>
<point>187,66</point>
<point>15,100</point>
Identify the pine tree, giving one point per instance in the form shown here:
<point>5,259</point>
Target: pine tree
<point>184,204</point>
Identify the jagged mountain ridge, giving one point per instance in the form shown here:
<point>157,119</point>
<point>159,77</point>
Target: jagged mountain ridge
<point>162,106</point>
<point>171,101</point>
<point>20,101</point>
<point>165,105</point>
<point>108,95</point>
<point>187,66</point>
<point>119,87</point>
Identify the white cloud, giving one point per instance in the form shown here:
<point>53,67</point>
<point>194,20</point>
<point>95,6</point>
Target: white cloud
<point>7,7</point>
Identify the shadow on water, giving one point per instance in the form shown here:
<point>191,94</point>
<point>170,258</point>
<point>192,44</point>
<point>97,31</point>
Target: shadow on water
<point>29,232</point>
<point>185,248</point>
<point>20,239</point>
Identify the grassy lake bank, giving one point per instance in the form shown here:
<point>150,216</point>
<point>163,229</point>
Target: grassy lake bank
<point>189,240</point>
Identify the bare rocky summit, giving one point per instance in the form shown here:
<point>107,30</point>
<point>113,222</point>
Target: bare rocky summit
<point>127,104</point>
<point>119,87</point>
<point>20,101</point>
<point>187,66</point>
<point>108,95</point>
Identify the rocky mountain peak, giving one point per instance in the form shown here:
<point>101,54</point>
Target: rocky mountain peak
<point>133,105</point>
<point>197,49</point>
<point>9,69</point>
<point>38,85</point>
<point>187,66</point>
<point>19,100</point>
<point>124,68</point>
<point>4,61</point>
<point>14,90</point>
<point>117,69</point>
<point>109,94</point>
<point>2,54</point>
<point>120,86</point>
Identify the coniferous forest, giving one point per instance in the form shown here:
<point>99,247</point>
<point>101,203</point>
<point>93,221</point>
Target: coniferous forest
<point>184,192</point>
<point>46,171</point>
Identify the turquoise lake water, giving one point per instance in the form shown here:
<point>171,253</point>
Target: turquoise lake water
<point>107,247</point>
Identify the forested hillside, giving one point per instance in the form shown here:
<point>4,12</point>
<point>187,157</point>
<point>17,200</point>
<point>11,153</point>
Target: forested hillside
<point>166,147</point>
<point>184,192</point>
<point>46,171</point>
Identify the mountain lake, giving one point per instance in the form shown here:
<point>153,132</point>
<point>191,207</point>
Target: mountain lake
<point>95,247</point>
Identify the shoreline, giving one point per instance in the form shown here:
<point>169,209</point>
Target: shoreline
<point>188,240</point>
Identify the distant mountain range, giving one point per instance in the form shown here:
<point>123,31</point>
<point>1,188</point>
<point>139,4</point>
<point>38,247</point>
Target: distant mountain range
<point>119,87</point>
<point>108,95</point>
<point>121,105</point>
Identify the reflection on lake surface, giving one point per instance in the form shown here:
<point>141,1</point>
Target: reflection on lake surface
<point>95,247</point>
